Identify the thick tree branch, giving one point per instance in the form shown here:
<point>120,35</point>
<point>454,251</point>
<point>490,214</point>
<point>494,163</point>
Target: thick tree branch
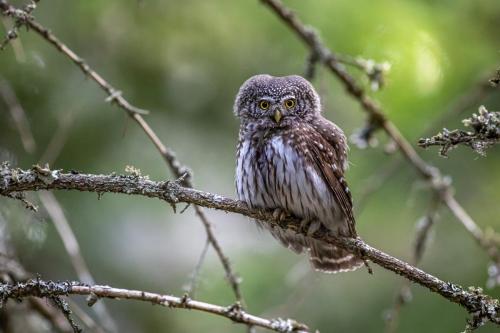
<point>377,118</point>
<point>50,289</point>
<point>16,180</point>
<point>23,17</point>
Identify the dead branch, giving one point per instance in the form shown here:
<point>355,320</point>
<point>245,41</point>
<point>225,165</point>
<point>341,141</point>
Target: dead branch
<point>485,133</point>
<point>35,179</point>
<point>18,116</point>
<point>378,119</point>
<point>50,289</point>
<point>24,17</point>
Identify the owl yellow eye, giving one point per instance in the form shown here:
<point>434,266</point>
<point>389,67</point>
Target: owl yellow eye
<point>290,103</point>
<point>264,105</point>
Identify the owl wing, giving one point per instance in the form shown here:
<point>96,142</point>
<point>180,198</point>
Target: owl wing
<point>328,148</point>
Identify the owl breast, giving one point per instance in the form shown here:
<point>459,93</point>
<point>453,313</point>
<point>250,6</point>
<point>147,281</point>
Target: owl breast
<point>274,173</point>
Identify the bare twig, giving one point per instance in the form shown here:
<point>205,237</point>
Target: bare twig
<point>195,275</point>
<point>15,180</point>
<point>12,271</point>
<point>375,113</point>
<point>56,144</point>
<point>63,306</point>
<point>18,115</point>
<point>374,71</point>
<point>486,133</point>
<point>70,242</point>
<point>422,232</point>
<point>50,289</point>
<point>116,97</point>
<point>463,103</point>
<point>23,15</point>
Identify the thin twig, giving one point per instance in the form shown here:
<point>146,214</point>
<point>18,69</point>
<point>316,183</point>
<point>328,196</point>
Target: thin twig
<point>195,275</point>
<point>466,101</point>
<point>18,116</point>
<point>376,115</point>
<point>115,96</point>
<point>41,288</point>
<point>11,271</point>
<point>485,133</point>
<point>422,232</point>
<point>63,306</point>
<point>70,242</point>
<point>56,144</point>
<point>15,180</point>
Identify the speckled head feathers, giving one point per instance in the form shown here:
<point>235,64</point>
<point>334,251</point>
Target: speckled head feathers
<point>275,90</point>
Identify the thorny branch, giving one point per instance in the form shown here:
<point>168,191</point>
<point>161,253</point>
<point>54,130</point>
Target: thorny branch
<point>50,289</point>
<point>17,180</point>
<point>115,96</point>
<point>379,120</point>
<point>485,133</point>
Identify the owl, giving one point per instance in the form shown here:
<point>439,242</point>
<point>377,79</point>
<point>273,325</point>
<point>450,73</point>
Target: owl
<point>291,160</point>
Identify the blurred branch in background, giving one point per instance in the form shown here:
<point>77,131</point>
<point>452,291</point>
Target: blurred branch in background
<point>24,17</point>
<point>191,286</point>
<point>481,90</point>
<point>18,116</point>
<point>377,119</point>
<point>48,289</point>
<point>11,271</point>
<point>486,133</point>
<point>422,232</point>
<point>479,305</point>
<point>68,237</point>
<point>50,202</point>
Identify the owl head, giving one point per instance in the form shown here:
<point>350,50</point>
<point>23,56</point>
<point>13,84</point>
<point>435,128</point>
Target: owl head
<point>267,102</point>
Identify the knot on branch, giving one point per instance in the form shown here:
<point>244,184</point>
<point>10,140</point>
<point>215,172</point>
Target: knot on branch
<point>235,312</point>
<point>288,326</point>
<point>486,132</point>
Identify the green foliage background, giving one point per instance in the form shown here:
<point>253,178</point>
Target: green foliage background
<point>184,61</point>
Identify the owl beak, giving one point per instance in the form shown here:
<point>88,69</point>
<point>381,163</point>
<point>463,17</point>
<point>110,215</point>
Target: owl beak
<point>277,116</point>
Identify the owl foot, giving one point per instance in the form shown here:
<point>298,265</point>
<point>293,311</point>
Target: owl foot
<point>279,214</point>
<point>309,226</point>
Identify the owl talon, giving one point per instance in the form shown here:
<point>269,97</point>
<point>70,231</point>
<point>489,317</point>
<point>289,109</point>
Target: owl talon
<point>313,227</point>
<point>279,214</point>
<point>304,225</point>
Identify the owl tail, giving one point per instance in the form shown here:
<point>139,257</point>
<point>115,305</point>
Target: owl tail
<point>331,259</point>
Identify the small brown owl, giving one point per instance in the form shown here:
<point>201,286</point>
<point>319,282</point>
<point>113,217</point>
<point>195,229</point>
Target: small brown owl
<point>292,160</point>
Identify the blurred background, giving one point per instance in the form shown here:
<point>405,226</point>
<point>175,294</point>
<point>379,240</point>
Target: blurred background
<point>184,61</point>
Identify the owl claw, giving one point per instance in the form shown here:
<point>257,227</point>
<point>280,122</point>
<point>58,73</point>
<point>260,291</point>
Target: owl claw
<point>313,227</point>
<point>309,226</point>
<point>279,214</point>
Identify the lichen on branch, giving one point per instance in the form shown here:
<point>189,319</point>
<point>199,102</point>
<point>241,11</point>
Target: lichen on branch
<point>485,133</point>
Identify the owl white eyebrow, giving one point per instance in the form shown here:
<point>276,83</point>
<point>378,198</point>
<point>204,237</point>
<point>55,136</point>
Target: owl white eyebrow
<point>287,97</point>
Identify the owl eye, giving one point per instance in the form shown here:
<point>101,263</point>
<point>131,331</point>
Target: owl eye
<point>290,103</point>
<point>264,105</point>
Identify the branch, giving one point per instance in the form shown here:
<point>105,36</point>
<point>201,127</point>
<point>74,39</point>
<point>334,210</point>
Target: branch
<point>115,96</point>
<point>50,289</point>
<point>18,116</point>
<point>486,133</point>
<point>378,119</point>
<point>422,232</point>
<point>35,179</point>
